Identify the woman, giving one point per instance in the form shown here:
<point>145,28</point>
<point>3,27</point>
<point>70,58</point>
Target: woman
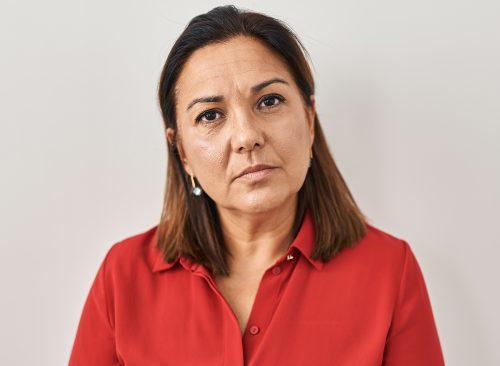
<point>261,256</point>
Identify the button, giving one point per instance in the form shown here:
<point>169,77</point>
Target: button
<point>254,329</point>
<point>276,270</point>
<point>289,256</point>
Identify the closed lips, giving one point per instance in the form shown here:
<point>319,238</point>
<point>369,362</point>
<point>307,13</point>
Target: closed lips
<point>254,168</point>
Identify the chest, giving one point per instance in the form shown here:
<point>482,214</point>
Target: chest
<point>240,295</point>
<point>181,319</point>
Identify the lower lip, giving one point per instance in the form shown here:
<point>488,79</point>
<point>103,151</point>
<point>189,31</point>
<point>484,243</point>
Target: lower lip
<point>256,176</point>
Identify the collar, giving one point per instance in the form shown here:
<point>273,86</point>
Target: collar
<point>304,242</point>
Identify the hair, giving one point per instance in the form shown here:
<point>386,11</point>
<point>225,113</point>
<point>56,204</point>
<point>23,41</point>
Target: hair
<point>189,225</point>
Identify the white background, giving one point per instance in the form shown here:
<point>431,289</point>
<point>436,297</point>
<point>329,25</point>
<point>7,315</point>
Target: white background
<point>407,93</point>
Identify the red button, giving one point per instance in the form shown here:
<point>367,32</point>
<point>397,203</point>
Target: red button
<point>254,329</point>
<point>276,270</point>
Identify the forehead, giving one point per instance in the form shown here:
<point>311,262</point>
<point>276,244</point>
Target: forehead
<point>238,63</point>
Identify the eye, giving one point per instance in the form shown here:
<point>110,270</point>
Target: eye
<point>209,114</point>
<point>270,100</point>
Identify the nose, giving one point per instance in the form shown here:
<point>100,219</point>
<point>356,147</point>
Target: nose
<point>247,133</point>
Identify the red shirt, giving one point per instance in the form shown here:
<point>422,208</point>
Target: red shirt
<point>367,306</point>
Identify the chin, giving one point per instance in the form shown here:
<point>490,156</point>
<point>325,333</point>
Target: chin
<point>259,203</point>
<point>257,200</point>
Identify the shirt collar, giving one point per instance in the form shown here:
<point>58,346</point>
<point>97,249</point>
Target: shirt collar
<point>304,242</point>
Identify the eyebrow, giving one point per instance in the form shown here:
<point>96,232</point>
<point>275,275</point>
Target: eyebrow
<point>218,98</point>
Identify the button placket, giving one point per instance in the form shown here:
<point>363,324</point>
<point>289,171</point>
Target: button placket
<point>267,298</point>
<point>276,270</point>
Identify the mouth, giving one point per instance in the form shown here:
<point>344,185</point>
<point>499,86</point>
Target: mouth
<point>255,173</point>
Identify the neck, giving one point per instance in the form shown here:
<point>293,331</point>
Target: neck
<point>257,240</point>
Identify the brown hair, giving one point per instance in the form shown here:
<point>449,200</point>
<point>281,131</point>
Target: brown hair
<point>190,225</point>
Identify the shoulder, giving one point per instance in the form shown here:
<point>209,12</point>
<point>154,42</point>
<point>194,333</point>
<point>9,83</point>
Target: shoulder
<point>133,253</point>
<point>381,243</point>
<point>377,252</point>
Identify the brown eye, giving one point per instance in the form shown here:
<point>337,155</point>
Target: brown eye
<point>271,101</point>
<point>209,115</point>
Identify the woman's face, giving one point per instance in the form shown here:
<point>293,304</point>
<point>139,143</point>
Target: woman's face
<point>230,116</point>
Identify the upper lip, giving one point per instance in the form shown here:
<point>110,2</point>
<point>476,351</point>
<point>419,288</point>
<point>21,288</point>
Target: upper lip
<point>254,168</point>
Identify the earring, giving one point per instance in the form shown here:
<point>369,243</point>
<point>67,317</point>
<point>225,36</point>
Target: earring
<point>196,190</point>
<point>310,158</point>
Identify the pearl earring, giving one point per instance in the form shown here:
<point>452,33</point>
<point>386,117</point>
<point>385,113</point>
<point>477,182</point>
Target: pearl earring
<point>196,190</point>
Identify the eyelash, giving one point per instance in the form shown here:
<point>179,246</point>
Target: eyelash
<point>267,97</point>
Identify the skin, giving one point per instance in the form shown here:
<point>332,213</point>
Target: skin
<point>242,130</point>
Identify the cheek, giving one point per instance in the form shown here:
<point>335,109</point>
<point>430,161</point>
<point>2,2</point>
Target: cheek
<point>208,159</point>
<point>292,141</point>
<point>292,146</point>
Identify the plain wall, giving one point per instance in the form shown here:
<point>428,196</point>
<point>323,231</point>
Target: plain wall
<point>407,93</point>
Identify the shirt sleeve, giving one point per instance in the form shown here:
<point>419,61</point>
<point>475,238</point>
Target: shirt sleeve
<point>412,338</point>
<point>94,343</point>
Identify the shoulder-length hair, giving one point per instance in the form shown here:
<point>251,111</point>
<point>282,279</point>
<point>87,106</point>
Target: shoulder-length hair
<point>189,225</point>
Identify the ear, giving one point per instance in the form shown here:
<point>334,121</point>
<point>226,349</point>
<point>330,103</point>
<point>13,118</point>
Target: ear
<point>312,115</point>
<point>169,134</point>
